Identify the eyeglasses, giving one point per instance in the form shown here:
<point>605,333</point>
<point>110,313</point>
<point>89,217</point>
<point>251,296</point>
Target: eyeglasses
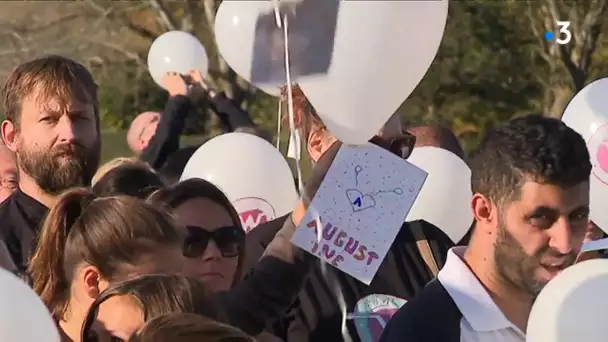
<point>402,147</point>
<point>229,240</point>
<point>87,332</point>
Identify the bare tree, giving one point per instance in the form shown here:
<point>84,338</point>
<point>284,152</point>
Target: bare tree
<point>569,64</point>
<point>147,19</point>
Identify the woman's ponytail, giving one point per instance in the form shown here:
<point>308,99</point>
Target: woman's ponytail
<point>46,266</point>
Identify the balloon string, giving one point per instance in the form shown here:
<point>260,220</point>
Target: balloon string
<point>292,125</point>
<point>279,125</point>
<point>277,13</point>
<point>292,132</point>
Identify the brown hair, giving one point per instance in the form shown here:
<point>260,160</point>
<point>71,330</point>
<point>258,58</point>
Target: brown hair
<point>49,77</point>
<point>159,294</point>
<point>308,120</point>
<point>305,116</point>
<point>106,232</point>
<point>178,194</point>
<point>437,135</point>
<point>135,179</point>
<point>181,327</point>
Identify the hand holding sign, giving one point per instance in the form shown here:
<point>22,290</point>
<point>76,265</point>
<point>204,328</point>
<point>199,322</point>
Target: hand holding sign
<point>342,225</point>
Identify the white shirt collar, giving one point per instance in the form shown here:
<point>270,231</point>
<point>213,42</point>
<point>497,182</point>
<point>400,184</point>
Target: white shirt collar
<point>472,299</point>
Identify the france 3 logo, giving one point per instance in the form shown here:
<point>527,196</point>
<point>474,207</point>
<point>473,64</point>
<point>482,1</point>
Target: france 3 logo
<point>562,36</point>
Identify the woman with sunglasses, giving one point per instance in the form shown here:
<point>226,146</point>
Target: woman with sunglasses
<point>214,248</point>
<point>214,235</point>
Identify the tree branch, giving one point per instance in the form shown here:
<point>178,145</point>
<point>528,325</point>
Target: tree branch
<point>162,15</point>
<point>110,13</point>
<point>141,60</point>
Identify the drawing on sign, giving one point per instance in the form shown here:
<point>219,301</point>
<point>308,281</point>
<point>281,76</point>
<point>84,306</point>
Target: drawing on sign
<point>335,241</point>
<point>372,313</point>
<point>360,201</point>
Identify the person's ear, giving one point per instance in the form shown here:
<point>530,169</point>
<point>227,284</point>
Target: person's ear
<point>483,211</point>
<point>9,135</point>
<point>93,282</point>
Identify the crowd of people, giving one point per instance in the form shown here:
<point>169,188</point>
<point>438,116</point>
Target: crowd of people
<point>127,252</point>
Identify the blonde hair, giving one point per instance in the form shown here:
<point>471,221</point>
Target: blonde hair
<point>114,163</point>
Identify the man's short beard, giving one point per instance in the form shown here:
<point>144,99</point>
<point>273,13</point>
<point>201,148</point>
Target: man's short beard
<point>515,266</point>
<point>54,175</point>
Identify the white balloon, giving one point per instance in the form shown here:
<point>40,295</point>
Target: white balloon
<point>23,315</point>
<point>587,113</point>
<point>382,50</point>
<point>176,51</point>
<point>252,173</point>
<point>445,198</point>
<point>572,307</point>
<point>235,23</point>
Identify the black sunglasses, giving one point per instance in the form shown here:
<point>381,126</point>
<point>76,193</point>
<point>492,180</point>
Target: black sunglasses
<point>229,240</point>
<point>402,147</point>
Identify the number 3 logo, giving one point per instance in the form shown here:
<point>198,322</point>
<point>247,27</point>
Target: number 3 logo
<point>564,33</point>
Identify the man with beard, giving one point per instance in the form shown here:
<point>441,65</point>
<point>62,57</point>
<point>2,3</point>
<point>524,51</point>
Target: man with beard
<point>52,125</point>
<point>530,182</point>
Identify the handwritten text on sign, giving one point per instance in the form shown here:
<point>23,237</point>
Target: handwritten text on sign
<point>359,209</point>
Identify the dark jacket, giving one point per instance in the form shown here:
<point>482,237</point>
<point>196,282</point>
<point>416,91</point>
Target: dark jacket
<point>21,218</point>
<point>165,141</point>
<point>316,315</point>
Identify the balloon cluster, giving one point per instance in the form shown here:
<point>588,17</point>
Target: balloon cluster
<point>356,63</point>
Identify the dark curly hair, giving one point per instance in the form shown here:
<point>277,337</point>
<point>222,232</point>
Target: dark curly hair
<point>530,148</point>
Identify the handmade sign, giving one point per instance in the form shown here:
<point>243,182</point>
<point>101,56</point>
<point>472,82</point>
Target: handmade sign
<point>359,209</point>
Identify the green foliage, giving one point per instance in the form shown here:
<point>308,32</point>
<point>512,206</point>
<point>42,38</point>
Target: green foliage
<point>125,92</point>
<point>488,70</point>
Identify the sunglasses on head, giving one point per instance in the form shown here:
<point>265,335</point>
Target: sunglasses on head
<point>402,147</point>
<point>229,240</point>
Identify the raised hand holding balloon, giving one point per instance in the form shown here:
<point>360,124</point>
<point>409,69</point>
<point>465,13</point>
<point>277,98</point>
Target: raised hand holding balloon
<point>176,51</point>
<point>587,113</point>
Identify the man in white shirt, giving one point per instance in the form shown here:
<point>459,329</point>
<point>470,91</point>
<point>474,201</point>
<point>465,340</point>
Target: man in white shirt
<point>530,180</point>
